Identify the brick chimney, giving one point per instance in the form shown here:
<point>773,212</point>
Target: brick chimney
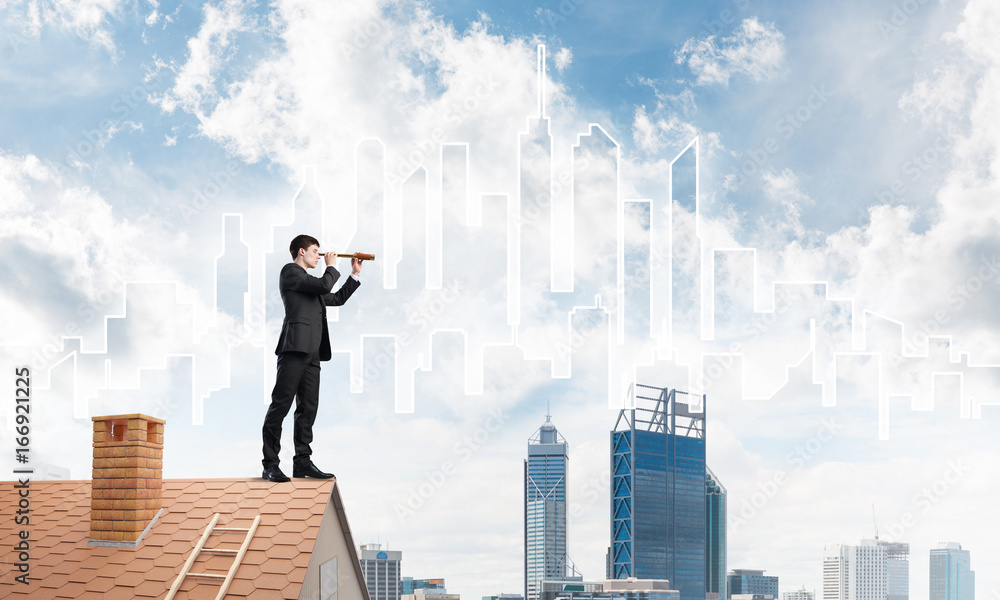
<point>127,493</point>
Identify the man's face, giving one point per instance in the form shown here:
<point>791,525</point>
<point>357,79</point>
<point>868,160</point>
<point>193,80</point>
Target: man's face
<point>311,256</point>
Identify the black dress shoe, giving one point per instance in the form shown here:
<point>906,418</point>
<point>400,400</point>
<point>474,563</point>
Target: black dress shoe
<point>274,474</point>
<point>309,470</point>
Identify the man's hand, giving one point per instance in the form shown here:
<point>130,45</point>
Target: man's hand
<point>355,265</point>
<point>330,258</point>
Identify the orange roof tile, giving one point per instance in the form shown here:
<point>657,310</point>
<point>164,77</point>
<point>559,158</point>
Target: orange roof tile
<point>64,565</point>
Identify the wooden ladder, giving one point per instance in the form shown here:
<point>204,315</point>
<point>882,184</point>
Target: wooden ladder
<point>200,547</point>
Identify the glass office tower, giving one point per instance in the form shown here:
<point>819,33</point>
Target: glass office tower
<point>897,570</point>
<point>715,535</point>
<point>951,577</point>
<point>658,506</point>
<point>544,508</point>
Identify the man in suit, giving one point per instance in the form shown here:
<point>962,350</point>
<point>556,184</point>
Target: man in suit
<point>304,342</point>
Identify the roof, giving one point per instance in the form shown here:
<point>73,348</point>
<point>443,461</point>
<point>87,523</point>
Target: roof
<point>293,516</point>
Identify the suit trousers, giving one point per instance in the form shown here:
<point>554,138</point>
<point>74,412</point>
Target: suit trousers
<point>298,378</point>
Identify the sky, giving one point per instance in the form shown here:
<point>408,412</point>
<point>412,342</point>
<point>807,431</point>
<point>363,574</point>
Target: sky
<point>787,207</point>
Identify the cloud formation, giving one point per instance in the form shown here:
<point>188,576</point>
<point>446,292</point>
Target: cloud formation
<point>88,19</point>
<point>756,49</point>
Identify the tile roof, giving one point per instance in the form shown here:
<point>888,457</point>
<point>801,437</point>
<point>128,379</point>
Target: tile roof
<point>63,565</point>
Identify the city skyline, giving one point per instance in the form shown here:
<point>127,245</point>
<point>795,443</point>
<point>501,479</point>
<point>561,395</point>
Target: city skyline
<point>803,235</point>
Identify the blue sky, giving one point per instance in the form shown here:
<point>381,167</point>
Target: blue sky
<point>850,144</point>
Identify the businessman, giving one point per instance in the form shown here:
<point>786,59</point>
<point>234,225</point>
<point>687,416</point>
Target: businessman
<point>304,342</point>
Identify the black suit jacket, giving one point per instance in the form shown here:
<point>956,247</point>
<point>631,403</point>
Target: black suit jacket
<point>305,298</point>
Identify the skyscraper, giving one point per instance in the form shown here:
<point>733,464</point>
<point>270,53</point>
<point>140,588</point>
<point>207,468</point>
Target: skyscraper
<point>381,569</point>
<point>951,576</point>
<point>897,569</point>
<point>855,572</point>
<point>544,508</point>
<point>658,505</point>
<point>715,535</point>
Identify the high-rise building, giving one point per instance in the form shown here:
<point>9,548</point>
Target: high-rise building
<point>801,594</point>
<point>897,570</point>
<point>409,585</point>
<point>752,582</point>
<point>658,507</point>
<point>381,569</point>
<point>545,508</point>
<point>951,575</point>
<point>855,572</point>
<point>715,535</point>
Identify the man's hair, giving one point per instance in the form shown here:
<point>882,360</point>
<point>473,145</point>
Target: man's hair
<point>301,241</point>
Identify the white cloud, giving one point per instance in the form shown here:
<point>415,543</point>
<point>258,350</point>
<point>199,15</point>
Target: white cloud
<point>195,83</point>
<point>756,49</point>
<point>938,97</point>
<point>783,190</point>
<point>563,58</point>
<point>890,266</point>
<point>667,127</point>
<point>666,130</point>
<point>349,72</point>
<point>346,72</point>
<point>88,19</point>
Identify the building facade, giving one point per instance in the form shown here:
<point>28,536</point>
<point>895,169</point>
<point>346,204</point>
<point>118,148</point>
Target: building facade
<point>715,535</point>
<point>897,568</point>
<point>951,574</point>
<point>544,508</point>
<point>800,594</point>
<point>381,569</point>
<point>611,589</point>
<point>658,505</point>
<point>855,572</point>
<point>409,585</point>
<point>752,582</point>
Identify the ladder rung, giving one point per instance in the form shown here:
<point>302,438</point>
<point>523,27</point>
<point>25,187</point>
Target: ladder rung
<point>200,547</point>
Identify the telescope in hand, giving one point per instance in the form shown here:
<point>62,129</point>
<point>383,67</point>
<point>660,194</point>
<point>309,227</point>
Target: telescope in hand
<point>357,255</point>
